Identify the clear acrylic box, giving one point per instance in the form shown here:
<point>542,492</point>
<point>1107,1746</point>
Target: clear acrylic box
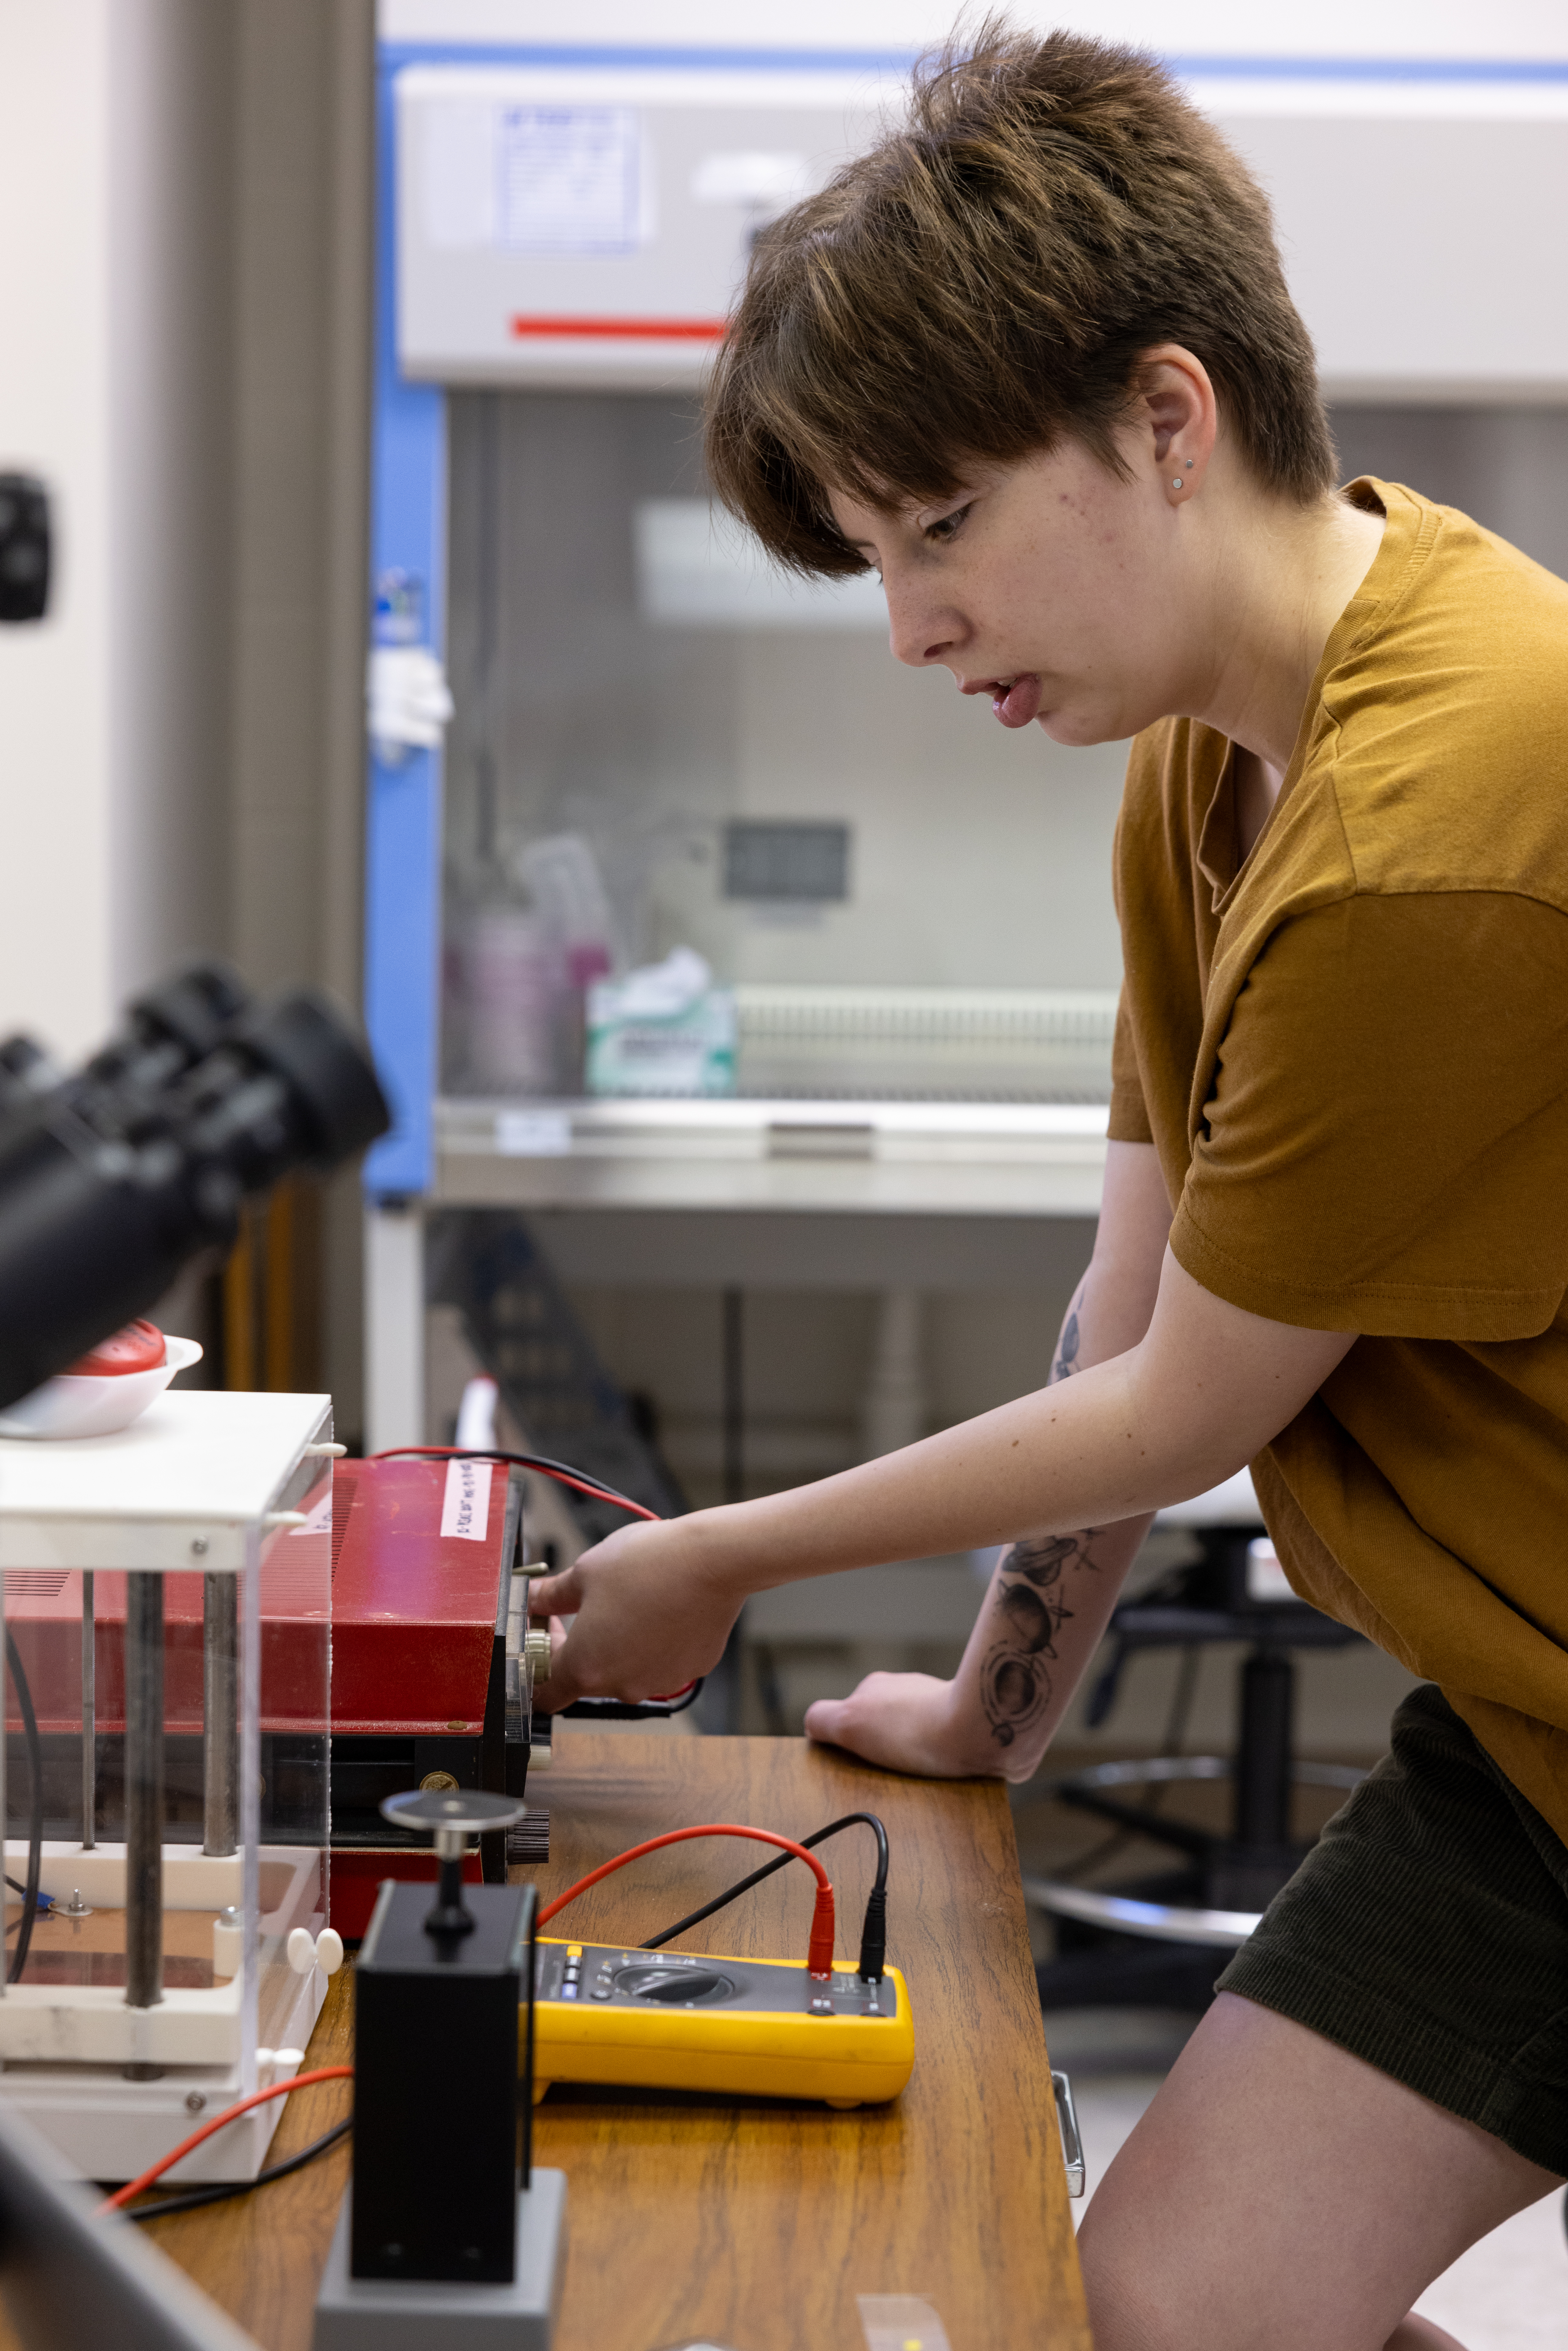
<point>167,1594</point>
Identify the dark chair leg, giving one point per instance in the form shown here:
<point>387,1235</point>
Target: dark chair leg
<point>1246,1871</point>
<point>1263,1754</point>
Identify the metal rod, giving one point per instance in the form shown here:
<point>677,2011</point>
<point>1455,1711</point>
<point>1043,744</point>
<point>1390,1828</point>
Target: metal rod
<point>449,1915</point>
<point>220,1711</point>
<point>89,1717</point>
<point>143,1790</point>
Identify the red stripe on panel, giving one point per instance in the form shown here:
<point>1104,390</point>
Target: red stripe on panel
<point>656,331</point>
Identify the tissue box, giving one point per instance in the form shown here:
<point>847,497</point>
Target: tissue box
<point>632,1052</point>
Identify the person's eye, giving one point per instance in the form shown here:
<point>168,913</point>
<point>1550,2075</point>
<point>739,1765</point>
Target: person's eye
<point>947,527</point>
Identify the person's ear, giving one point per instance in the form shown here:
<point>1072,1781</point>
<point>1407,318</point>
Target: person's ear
<point>1179,419</point>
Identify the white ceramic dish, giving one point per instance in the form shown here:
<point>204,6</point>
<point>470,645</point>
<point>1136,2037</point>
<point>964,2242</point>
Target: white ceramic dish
<point>79,1405</point>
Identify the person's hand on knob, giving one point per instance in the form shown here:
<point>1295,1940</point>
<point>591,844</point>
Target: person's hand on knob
<point>649,1613</point>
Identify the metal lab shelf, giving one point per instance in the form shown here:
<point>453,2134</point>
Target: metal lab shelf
<point>1029,1159</point>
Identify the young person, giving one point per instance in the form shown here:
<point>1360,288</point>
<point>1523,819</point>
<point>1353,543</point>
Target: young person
<point>1033,359</point>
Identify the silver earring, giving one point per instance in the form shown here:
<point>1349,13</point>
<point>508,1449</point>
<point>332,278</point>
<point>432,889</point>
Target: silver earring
<point>1175,482</point>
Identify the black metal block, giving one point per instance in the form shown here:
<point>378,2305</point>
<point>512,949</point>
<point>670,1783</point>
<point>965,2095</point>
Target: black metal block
<point>437,2089</point>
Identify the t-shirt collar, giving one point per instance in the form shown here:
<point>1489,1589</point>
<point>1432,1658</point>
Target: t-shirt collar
<point>1218,839</point>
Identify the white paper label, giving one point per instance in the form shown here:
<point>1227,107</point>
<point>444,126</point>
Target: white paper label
<point>569,179</point>
<point>466,1507</point>
<point>533,1134</point>
<point>320,1519</point>
<point>459,173</point>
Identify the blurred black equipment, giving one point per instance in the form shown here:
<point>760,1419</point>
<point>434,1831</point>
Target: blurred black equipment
<point>174,1025</point>
<point>112,1179</point>
<point>24,547</point>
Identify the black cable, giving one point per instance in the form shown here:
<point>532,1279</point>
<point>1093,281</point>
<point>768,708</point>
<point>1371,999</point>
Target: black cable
<point>595,1488</point>
<point>44,1905</point>
<point>607,1709</point>
<point>874,1935</point>
<point>197,2197</point>
<point>36,1822</point>
<point>633,1710</point>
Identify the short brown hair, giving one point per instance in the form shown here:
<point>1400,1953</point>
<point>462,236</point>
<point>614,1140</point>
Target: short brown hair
<point>983,282</point>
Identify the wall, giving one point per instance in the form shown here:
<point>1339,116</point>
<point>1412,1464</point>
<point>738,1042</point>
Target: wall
<point>169,230</point>
<point>56,939</point>
<point>301,296</point>
<point>301,330</point>
<point>185,279</point>
<point>1508,467</point>
<point>113,710</point>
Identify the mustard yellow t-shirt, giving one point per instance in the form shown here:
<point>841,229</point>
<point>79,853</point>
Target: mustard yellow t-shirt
<point>1351,1051</point>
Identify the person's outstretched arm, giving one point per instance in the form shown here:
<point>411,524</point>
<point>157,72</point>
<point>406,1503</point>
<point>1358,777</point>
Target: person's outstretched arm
<point>1204,1390</point>
<point>1051,1595</point>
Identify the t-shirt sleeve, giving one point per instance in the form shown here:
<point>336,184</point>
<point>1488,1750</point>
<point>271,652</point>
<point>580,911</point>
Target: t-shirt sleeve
<point>1385,1144</point>
<point>1129,1120</point>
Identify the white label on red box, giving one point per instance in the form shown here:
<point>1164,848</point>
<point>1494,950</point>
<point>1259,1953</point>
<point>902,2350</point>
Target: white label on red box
<point>466,1505</point>
<point>318,1518</point>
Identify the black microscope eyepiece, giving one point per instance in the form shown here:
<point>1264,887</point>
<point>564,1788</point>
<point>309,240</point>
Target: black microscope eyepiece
<point>112,1179</point>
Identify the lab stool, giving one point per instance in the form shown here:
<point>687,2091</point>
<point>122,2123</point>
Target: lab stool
<point>1156,1942</point>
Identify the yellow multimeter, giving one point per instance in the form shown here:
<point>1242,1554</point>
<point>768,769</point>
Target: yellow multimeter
<point>675,2021</point>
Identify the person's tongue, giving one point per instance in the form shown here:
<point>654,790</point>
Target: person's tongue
<point>1020,704</point>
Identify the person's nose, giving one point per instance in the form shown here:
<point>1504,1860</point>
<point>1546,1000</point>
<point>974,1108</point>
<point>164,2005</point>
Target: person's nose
<point>920,630</point>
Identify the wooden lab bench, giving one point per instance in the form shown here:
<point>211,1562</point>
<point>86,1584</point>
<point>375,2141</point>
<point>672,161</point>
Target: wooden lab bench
<point>754,2224</point>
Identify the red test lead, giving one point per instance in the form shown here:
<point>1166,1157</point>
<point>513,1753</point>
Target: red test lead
<point>155,2171</point>
<point>820,1951</point>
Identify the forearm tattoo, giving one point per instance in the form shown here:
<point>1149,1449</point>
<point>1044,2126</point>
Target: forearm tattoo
<point>1029,1609</point>
<point>1031,1606</point>
<point>1066,1361</point>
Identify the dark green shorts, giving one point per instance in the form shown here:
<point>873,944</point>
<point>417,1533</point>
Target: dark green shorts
<point>1427,1933</point>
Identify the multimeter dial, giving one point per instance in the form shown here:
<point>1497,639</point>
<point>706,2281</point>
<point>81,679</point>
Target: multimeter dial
<point>686,1986</point>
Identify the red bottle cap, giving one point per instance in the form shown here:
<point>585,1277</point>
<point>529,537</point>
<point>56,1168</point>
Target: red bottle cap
<point>138,1348</point>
